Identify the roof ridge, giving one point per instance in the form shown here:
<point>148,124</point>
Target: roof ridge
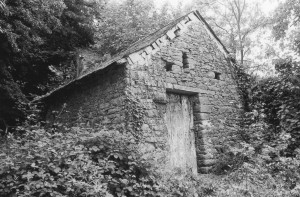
<point>158,30</point>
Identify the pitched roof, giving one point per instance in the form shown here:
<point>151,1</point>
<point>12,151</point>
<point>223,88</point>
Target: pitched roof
<point>149,45</point>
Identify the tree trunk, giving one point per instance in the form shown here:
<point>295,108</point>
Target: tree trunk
<point>12,99</point>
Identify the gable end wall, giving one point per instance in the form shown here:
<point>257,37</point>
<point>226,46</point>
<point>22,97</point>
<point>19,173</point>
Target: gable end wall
<point>215,101</point>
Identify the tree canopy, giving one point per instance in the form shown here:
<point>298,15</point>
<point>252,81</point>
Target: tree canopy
<point>35,35</point>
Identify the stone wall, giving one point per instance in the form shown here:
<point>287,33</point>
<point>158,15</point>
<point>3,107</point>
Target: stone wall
<point>190,64</point>
<point>97,101</point>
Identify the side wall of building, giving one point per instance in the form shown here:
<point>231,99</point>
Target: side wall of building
<point>98,101</point>
<point>190,64</point>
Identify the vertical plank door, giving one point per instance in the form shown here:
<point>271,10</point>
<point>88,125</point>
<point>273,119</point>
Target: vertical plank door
<point>181,138</point>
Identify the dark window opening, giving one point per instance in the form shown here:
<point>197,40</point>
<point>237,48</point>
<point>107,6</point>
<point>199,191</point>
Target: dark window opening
<point>185,60</point>
<point>168,65</point>
<point>217,75</point>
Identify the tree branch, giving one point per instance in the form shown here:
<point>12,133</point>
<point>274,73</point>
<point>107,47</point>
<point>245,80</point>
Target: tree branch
<point>6,126</point>
<point>221,27</point>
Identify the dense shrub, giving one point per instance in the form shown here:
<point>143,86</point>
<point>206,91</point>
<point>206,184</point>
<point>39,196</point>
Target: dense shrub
<point>257,165</point>
<point>276,103</point>
<point>79,162</point>
<point>257,169</point>
<point>86,162</point>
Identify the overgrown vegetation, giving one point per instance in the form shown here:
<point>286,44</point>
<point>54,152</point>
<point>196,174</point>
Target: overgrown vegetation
<point>38,42</point>
<point>83,162</point>
<point>78,162</point>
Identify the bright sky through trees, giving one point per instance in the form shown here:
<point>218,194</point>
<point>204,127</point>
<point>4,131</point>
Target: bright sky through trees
<point>267,5</point>
<point>172,2</point>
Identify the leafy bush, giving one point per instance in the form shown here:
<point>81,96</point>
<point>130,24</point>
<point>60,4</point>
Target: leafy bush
<point>80,162</point>
<point>276,102</point>
<point>85,162</point>
<point>257,165</point>
<point>258,173</point>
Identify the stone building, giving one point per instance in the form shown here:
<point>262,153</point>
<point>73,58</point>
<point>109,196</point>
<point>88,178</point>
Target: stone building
<point>175,87</point>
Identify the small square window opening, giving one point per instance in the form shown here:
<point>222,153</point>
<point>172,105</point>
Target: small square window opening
<point>168,65</point>
<point>217,75</point>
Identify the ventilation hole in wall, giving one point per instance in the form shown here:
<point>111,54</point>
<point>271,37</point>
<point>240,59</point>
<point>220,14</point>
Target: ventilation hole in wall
<point>168,65</point>
<point>185,60</point>
<point>217,75</point>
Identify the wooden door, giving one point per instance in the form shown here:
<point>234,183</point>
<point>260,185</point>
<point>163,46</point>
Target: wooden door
<point>181,138</point>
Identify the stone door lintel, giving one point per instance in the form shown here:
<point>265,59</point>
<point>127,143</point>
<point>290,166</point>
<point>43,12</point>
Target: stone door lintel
<point>174,88</point>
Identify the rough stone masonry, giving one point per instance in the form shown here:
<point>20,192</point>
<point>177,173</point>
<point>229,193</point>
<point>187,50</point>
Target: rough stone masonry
<point>180,75</point>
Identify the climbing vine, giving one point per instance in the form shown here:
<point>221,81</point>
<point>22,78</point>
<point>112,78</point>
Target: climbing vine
<point>135,113</point>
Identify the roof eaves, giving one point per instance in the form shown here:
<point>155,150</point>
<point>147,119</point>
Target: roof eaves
<point>117,59</point>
